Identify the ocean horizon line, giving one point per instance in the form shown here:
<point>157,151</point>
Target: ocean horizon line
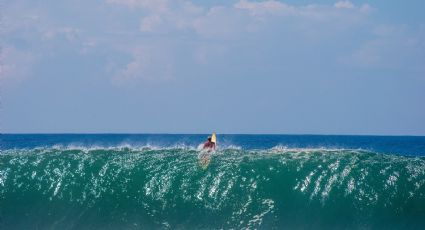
<point>247,134</point>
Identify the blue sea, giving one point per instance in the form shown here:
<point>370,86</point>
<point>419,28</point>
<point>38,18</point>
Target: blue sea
<point>156,181</point>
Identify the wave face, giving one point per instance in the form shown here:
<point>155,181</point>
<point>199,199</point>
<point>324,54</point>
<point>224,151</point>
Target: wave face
<point>145,188</point>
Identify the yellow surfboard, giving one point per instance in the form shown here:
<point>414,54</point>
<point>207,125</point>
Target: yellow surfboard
<point>214,138</point>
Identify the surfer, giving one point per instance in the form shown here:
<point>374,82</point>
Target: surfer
<point>207,149</point>
<point>209,144</point>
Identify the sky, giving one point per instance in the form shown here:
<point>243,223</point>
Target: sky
<point>234,66</point>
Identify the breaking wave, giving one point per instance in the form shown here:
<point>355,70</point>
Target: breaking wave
<point>73,187</point>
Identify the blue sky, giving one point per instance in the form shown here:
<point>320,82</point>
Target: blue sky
<point>245,66</point>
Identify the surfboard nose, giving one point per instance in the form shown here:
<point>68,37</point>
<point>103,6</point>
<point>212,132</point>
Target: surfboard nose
<point>214,138</point>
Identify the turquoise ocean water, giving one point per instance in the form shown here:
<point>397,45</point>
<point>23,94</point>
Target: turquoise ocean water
<point>153,181</point>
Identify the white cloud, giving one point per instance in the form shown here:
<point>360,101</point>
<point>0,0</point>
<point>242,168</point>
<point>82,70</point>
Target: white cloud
<point>150,22</point>
<point>148,64</point>
<point>68,33</point>
<point>344,5</point>
<point>391,47</point>
<point>218,23</point>
<point>220,20</point>
<point>168,17</point>
<point>15,64</point>
<point>265,7</point>
<point>252,15</point>
<point>365,8</point>
<point>368,55</point>
<point>153,5</point>
<point>163,15</point>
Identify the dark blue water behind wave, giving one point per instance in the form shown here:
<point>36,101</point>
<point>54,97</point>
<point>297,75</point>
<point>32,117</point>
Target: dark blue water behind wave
<point>401,145</point>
